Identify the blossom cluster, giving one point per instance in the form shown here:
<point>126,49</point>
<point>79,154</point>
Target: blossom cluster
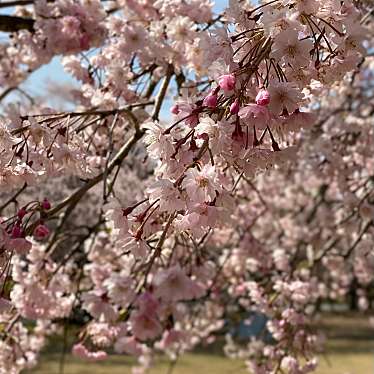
<point>256,197</point>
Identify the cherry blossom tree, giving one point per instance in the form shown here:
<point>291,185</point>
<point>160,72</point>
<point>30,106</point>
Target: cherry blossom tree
<point>255,194</point>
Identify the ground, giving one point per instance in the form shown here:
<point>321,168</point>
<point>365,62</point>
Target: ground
<point>350,350</point>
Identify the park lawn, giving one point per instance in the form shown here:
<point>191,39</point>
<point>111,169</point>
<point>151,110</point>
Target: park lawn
<point>338,363</point>
<point>190,363</point>
<point>350,350</point>
<point>344,357</point>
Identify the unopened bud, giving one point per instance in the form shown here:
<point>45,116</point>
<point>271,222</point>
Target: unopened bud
<point>234,107</point>
<point>263,97</point>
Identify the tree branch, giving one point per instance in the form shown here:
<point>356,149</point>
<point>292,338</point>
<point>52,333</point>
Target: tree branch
<point>73,199</point>
<point>161,94</point>
<point>14,23</point>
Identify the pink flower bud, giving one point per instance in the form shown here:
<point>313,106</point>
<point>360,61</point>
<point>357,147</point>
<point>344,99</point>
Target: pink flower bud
<point>210,101</point>
<point>234,107</point>
<point>16,231</point>
<point>46,204</point>
<point>227,82</point>
<point>41,231</point>
<point>263,97</point>
<point>175,109</point>
<point>21,213</point>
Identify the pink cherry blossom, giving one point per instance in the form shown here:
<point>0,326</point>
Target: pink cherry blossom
<point>202,185</point>
<point>20,245</point>
<point>145,325</point>
<point>203,165</point>
<point>128,345</point>
<point>174,285</point>
<point>82,352</point>
<point>227,82</point>
<point>255,115</point>
<point>284,96</point>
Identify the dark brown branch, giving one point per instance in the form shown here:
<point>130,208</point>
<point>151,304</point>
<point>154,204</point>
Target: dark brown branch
<point>13,198</point>
<point>14,23</point>
<point>10,4</point>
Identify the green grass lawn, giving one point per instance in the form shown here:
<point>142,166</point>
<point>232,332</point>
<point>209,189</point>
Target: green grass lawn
<point>350,350</point>
<point>338,363</point>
